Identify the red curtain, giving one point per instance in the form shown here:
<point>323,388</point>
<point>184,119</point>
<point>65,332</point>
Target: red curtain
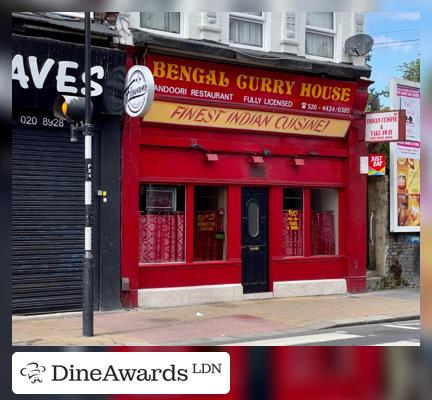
<point>207,246</point>
<point>162,237</point>
<point>292,238</point>
<point>322,233</point>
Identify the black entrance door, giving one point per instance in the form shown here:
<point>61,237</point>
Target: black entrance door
<point>254,240</point>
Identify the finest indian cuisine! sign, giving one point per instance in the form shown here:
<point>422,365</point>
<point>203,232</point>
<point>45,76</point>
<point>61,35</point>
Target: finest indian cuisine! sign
<point>405,187</point>
<point>219,117</point>
<point>196,80</point>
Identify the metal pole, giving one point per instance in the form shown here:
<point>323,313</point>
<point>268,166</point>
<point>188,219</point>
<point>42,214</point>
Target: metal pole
<point>88,254</point>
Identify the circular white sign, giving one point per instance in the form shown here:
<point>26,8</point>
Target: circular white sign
<point>139,91</point>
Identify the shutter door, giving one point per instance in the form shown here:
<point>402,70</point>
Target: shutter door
<point>47,221</point>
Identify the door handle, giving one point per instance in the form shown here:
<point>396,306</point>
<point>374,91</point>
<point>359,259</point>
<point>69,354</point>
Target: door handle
<point>253,248</point>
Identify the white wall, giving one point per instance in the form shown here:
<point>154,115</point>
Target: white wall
<point>214,26</point>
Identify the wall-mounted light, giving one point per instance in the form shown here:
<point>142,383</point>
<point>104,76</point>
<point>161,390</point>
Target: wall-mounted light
<point>210,157</point>
<point>256,160</point>
<point>298,161</point>
<point>195,145</point>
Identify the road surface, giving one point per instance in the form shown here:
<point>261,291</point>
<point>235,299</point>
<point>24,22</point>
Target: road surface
<point>404,333</point>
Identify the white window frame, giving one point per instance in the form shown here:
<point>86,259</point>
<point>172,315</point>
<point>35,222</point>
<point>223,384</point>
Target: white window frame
<point>264,19</point>
<point>76,14</point>
<point>324,32</point>
<point>181,34</point>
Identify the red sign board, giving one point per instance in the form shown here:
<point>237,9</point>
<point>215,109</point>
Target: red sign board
<point>377,164</point>
<point>203,81</point>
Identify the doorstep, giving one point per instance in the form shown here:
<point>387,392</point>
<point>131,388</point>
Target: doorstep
<point>258,296</point>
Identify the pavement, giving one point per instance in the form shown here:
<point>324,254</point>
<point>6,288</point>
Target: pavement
<point>218,323</point>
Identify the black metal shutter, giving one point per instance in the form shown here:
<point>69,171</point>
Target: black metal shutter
<point>47,221</point>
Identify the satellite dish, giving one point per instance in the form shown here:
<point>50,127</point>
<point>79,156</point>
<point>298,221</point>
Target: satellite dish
<point>359,45</point>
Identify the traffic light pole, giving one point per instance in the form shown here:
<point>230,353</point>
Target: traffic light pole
<point>88,133</point>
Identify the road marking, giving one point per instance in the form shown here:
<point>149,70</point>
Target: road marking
<point>399,343</point>
<point>400,326</point>
<point>299,340</point>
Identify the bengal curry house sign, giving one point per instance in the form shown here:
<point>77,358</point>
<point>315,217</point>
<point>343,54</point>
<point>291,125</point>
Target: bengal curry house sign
<point>226,96</point>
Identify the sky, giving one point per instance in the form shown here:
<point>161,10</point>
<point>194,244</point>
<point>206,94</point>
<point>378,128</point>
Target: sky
<point>397,39</point>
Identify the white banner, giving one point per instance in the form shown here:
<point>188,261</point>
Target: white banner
<point>383,126</point>
<point>120,373</point>
<point>405,95</point>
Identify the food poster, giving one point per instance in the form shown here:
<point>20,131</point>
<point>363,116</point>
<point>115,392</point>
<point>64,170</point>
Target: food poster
<point>405,187</point>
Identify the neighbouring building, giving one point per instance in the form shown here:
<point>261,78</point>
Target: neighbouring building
<point>243,180</point>
<point>394,201</point>
<point>48,169</point>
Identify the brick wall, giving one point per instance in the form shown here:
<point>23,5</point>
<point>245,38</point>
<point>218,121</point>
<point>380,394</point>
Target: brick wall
<point>403,258</point>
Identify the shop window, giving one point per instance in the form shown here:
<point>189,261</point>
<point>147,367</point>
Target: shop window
<point>161,21</point>
<point>162,223</point>
<point>324,222</point>
<point>247,28</point>
<point>210,220</point>
<point>320,34</point>
<point>293,232</point>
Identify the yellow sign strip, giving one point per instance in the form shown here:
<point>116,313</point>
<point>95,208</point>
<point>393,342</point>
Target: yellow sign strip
<point>230,118</point>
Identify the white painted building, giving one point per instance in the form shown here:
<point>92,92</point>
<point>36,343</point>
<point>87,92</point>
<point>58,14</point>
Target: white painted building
<point>314,35</point>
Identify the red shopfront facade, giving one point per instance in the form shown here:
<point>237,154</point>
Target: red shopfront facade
<point>243,176</point>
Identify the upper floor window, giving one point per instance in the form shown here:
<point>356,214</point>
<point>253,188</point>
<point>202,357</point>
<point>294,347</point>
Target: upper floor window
<point>161,21</point>
<point>247,28</point>
<point>320,34</point>
<point>74,14</point>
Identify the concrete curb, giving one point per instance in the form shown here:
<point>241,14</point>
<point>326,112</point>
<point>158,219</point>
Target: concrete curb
<point>233,340</point>
<point>371,321</point>
<point>66,314</point>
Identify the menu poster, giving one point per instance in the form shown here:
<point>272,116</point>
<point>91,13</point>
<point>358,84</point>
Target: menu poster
<point>405,95</point>
<point>405,187</point>
<point>293,220</point>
